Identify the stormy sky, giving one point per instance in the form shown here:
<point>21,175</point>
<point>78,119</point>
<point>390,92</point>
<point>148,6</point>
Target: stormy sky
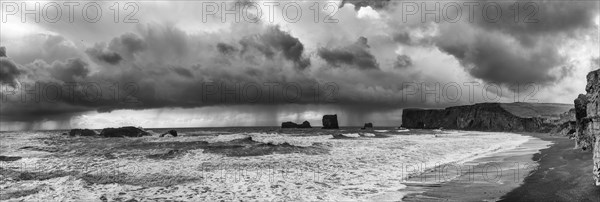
<point>184,64</point>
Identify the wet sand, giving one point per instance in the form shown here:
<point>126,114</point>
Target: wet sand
<point>564,174</point>
<point>557,173</point>
<point>483,179</point>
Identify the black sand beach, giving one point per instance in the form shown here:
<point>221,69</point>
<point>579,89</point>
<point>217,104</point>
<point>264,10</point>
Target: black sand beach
<point>564,174</point>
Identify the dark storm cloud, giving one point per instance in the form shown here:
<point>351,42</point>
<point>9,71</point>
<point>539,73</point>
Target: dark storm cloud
<point>541,19</point>
<point>500,49</point>
<point>169,67</point>
<point>403,61</point>
<point>105,56</point>
<point>183,72</point>
<point>128,44</point>
<point>149,74</point>
<point>402,37</point>
<point>494,58</point>
<point>376,4</point>
<point>8,72</point>
<point>274,40</point>
<point>226,48</point>
<point>111,58</point>
<point>69,71</point>
<point>506,52</point>
<point>356,55</point>
<point>8,69</point>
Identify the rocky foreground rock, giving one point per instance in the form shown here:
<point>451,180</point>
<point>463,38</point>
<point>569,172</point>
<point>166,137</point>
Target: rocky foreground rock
<point>588,120</point>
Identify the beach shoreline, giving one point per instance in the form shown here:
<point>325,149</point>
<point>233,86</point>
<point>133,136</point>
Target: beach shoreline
<point>560,172</point>
<point>485,178</point>
<point>564,174</point>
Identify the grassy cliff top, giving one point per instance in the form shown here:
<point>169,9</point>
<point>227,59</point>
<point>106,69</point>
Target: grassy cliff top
<point>528,110</point>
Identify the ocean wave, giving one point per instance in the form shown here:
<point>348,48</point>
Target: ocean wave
<point>357,170</point>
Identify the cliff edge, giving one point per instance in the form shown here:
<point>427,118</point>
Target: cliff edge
<point>587,134</point>
<point>515,117</point>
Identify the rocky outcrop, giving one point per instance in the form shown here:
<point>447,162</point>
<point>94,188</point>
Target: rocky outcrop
<point>290,124</point>
<point>481,117</point>
<point>582,139</point>
<point>170,132</point>
<point>568,128</point>
<point>367,126</point>
<point>566,124</point>
<point>588,120</point>
<point>330,122</point>
<point>10,158</point>
<point>128,131</point>
<point>82,132</point>
<point>305,124</point>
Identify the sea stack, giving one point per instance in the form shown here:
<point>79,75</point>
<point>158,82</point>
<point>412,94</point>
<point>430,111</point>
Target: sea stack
<point>367,126</point>
<point>305,124</point>
<point>330,122</point>
<point>290,124</point>
<point>588,120</point>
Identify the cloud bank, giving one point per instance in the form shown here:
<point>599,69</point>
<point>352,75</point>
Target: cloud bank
<point>366,65</point>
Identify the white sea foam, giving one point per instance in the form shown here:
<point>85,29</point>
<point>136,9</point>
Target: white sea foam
<point>351,134</point>
<point>368,134</point>
<point>365,169</point>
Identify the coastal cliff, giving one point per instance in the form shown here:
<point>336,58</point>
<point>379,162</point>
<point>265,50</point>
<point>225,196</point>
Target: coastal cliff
<point>516,117</point>
<point>588,121</point>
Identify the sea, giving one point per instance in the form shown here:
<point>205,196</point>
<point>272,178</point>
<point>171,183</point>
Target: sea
<point>266,164</point>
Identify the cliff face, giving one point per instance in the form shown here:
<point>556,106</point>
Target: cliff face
<point>588,120</point>
<point>483,117</point>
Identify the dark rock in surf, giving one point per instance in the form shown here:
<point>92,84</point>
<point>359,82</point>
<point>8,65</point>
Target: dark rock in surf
<point>82,132</point>
<point>330,122</point>
<point>169,155</point>
<point>128,131</point>
<point>305,124</point>
<point>10,158</point>
<point>290,124</point>
<point>170,132</point>
<point>367,126</point>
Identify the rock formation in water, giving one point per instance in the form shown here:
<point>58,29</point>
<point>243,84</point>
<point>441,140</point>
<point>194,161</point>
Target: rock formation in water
<point>367,126</point>
<point>10,158</point>
<point>330,122</point>
<point>82,132</point>
<point>290,124</point>
<point>482,117</point>
<point>588,120</point>
<point>170,132</point>
<point>128,131</point>
<point>305,124</point>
